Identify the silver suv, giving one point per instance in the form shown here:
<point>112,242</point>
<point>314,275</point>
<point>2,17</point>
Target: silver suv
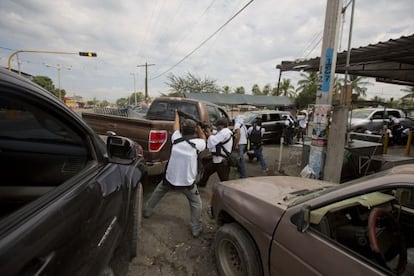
<point>373,119</point>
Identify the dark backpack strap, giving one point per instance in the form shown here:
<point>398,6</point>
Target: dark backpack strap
<point>181,139</point>
<point>220,146</point>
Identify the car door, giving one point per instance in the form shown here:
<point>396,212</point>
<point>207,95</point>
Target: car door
<point>343,249</point>
<point>377,121</point>
<point>61,200</point>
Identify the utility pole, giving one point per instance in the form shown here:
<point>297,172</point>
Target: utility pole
<point>146,78</point>
<point>323,105</point>
<point>135,90</point>
<point>58,67</point>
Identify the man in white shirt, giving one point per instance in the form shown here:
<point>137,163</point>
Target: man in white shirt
<point>218,164</point>
<point>241,144</point>
<point>182,171</point>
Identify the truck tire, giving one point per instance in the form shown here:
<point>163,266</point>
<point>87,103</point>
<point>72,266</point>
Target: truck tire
<point>135,221</point>
<point>236,252</point>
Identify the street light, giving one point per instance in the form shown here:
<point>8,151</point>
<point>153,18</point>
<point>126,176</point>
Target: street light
<point>86,54</point>
<point>58,67</point>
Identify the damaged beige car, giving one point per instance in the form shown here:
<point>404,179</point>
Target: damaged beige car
<point>281,225</point>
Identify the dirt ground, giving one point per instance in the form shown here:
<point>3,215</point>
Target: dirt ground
<point>166,246</point>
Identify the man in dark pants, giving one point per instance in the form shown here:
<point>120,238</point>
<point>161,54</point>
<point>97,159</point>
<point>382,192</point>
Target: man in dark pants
<point>182,171</point>
<point>218,164</point>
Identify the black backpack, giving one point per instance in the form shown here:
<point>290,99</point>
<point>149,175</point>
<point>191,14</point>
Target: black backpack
<point>255,137</point>
<point>200,167</point>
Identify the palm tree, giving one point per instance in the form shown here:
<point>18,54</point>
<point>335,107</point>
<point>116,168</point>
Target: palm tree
<point>256,90</point>
<point>267,89</point>
<point>226,89</point>
<point>310,80</point>
<point>307,89</point>
<point>358,84</point>
<point>287,88</point>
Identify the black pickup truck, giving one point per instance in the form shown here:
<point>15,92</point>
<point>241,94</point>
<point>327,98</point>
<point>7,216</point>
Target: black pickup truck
<point>67,201</point>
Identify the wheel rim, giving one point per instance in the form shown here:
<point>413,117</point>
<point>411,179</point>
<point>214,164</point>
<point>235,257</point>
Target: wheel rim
<point>230,258</point>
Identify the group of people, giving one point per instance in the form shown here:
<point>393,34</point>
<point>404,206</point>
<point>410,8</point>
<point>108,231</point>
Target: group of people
<point>295,129</point>
<point>188,140</point>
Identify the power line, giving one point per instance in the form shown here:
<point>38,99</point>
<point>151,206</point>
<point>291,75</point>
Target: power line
<point>205,41</point>
<point>185,35</point>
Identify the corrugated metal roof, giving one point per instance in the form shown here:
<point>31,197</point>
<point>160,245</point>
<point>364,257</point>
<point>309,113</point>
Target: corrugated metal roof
<point>391,61</point>
<point>240,99</point>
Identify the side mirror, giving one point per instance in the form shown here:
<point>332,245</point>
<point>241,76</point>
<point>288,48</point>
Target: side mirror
<point>122,150</point>
<point>304,219</point>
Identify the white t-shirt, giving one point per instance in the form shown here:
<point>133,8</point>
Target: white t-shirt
<point>182,166</point>
<point>243,132</point>
<point>217,138</point>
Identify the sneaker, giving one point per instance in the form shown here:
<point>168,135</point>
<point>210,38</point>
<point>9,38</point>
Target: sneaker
<point>146,214</point>
<point>210,212</point>
<point>196,233</point>
<point>265,171</point>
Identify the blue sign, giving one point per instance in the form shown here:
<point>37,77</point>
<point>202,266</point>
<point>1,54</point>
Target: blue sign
<point>326,79</point>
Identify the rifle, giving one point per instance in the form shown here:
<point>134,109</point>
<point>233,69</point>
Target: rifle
<point>203,125</point>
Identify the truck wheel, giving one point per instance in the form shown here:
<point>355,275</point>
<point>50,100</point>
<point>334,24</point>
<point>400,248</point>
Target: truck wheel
<point>134,221</point>
<point>236,252</point>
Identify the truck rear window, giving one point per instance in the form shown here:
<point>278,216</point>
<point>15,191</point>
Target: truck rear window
<point>164,110</point>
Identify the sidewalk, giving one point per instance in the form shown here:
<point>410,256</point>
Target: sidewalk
<point>291,159</point>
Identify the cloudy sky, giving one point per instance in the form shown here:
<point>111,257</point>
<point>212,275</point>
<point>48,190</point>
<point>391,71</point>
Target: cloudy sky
<point>128,33</point>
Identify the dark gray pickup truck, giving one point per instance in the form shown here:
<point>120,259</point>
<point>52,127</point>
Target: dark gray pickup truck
<point>67,201</point>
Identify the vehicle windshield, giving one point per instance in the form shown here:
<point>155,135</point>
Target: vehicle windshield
<point>361,113</point>
<point>299,197</point>
<point>249,117</point>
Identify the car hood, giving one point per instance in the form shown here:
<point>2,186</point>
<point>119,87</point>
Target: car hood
<point>276,190</point>
<point>259,202</point>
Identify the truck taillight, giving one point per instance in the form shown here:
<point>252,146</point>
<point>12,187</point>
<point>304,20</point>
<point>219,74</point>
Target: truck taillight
<point>157,139</point>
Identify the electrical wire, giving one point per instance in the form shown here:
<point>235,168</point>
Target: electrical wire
<point>188,33</point>
<point>204,42</point>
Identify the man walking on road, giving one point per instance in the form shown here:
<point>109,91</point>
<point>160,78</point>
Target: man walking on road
<point>255,133</point>
<point>241,144</point>
<point>182,171</point>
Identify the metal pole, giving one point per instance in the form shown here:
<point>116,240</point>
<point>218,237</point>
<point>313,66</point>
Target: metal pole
<point>278,82</point>
<point>135,90</point>
<point>58,69</point>
<point>323,105</point>
<point>146,78</point>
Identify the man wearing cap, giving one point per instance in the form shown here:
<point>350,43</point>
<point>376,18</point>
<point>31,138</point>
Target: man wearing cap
<point>182,171</point>
<point>218,164</point>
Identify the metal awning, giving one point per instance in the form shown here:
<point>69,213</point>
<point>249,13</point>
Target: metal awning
<point>391,61</point>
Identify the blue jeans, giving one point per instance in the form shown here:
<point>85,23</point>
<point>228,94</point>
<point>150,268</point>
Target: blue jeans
<point>259,154</point>
<point>242,163</point>
<point>192,195</point>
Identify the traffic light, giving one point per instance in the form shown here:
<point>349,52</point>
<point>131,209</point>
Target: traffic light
<point>87,54</point>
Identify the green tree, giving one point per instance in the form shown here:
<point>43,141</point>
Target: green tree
<point>190,83</point>
<point>307,89</point>
<point>122,102</point>
<point>358,85</point>
<point>104,103</point>
<point>267,89</point>
<point>226,89</point>
<point>240,90</point>
<point>256,90</point>
<point>140,97</point>
<point>286,88</point>
<point>46,83</point>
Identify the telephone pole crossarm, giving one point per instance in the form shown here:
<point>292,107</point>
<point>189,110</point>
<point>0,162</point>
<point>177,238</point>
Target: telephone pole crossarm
<point>146,78</point>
